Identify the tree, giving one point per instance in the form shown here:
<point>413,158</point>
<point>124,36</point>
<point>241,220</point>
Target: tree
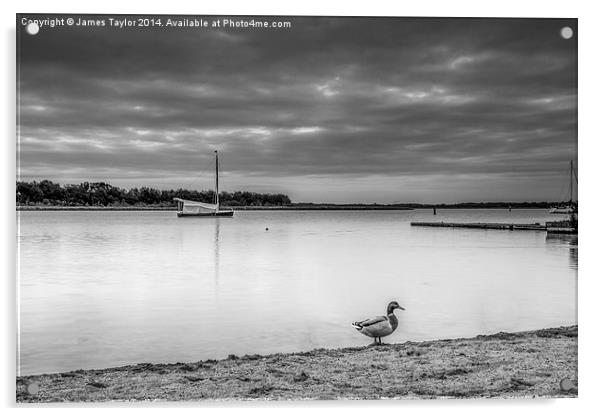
<point>104,194</point>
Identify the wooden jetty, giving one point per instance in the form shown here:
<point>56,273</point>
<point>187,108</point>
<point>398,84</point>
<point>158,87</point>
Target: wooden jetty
<point>559,227</point>
<point>482,225</point>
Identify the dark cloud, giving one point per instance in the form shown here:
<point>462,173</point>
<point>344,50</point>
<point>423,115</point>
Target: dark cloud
<point>418,105</point>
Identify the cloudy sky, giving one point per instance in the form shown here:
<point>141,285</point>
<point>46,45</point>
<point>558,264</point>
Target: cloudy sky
<point>329,110</point>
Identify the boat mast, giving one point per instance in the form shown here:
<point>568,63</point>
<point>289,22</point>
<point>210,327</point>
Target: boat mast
<point>217,183</point>
<point>571,182</point>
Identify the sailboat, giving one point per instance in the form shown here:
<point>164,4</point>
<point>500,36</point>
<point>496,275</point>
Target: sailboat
<point>187,208</point>
<point>571,207</point>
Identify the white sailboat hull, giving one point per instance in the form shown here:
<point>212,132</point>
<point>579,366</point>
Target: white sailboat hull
<point>225,213</point>
<point>562,210</point>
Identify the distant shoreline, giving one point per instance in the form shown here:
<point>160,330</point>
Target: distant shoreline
<point>504,365</point>
<point>316,207</point>
<point>150,208</point>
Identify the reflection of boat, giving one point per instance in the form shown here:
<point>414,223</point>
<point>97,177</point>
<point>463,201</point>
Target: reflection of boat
<point>571,206</point>
<point>569,241</point>
<point>188,208</point>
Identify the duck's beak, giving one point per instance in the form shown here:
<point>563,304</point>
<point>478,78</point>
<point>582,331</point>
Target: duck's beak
<point>399,307</point>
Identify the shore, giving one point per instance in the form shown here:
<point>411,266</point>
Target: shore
<point>236,208</point>
<point>504,365</point>
<point>315,207</point>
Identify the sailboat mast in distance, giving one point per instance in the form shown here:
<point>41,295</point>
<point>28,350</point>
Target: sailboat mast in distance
<point>569,208</point>
<point>217,182</point>
<point>571,181</point>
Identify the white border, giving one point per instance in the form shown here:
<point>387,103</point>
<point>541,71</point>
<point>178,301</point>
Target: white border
<point>589,173</point>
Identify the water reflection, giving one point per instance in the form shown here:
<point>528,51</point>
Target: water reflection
<point>307,277</point>
<point>216,254</point>
<point>566,240</point>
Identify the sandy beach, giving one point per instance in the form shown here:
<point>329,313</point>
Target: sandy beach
<point>528,364</point>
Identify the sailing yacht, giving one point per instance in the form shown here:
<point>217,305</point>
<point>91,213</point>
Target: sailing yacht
<point>187,208</point>
<point>571,207</point>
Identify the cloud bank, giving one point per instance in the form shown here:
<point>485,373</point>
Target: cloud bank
<point>329,110</point>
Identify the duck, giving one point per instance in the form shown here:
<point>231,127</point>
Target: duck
<point>380,326</point>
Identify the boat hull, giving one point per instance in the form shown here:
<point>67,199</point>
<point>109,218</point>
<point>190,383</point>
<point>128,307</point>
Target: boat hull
<point>207,214</point>
<point>562,210</point>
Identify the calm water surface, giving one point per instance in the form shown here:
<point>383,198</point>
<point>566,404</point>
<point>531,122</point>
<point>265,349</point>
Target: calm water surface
<point>101,289</point>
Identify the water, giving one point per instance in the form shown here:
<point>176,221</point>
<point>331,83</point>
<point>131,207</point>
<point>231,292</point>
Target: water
<point>102,289</point>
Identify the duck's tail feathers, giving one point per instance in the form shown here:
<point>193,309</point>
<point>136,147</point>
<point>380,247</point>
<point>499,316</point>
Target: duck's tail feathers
<point>357,325</point>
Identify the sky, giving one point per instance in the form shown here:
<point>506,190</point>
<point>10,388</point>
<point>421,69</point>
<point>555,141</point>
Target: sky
<point>369,110</point>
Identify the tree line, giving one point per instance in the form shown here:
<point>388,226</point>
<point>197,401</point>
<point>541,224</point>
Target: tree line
<point>47,192</point>
<point>103,194</point>
<point>483,205</point>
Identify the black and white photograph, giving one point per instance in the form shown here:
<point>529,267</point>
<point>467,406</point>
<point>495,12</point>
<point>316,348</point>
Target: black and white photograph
<point>288,207</point>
